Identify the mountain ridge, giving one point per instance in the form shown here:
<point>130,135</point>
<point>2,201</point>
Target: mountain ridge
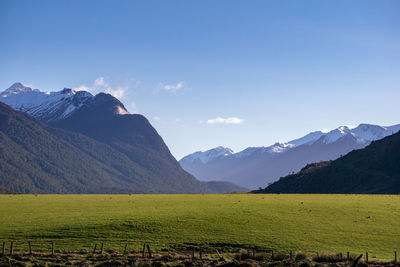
<point>49,106</point>
<point>330,137</point>
<point>371,170</point>
<point>256,166</point>
<point>122,151</point>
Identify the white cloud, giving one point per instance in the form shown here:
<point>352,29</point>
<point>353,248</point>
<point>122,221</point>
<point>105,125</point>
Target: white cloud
<point>118,92</point>
<point>99,82</point>
<point>100,85</point>
<point>156,118</point>
<point>170,87</point>
<point>230,120</point>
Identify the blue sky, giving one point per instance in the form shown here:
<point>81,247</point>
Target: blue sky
<point>209,73</point>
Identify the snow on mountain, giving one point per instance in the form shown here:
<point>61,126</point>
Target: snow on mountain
<point>275,148</point>
<point>335,134</point>
<point>248,151</point>
<point>369,132</point>
<point>18,88</point>
<point>362,134</point>
<point>280,147</point>
<point>311,137</point>
<point>208,155</point>
<point>392,129</point>
<point>46,106</point>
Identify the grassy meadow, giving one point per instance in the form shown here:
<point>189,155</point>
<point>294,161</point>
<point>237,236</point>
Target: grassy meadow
<point>311,223</point>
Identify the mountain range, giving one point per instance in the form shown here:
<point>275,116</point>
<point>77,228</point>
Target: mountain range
<point>257,166</point>
<point>46,106</point>
<point>372,170</point>
<point>73,142</point>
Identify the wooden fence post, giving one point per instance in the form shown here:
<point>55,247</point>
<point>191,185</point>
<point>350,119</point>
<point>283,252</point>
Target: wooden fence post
<point>201,253</point>
<point>272,255</point>
<point>366,256</point>
<point>149,251</point>
<point>348,256</point>
<point>4,248</point>
<point>94,249</point>
<point>126,244</point>
<point>30,247</point>
<point>254,252</point>
<point>193,251</point>
<point>291,255</point>
<point>144,250</point>
<point>356,261</point>
<point>12,248</point>
<point>102,249</point>
<point>395,257</point>
<point>52,248</point>
<point>219,255</point>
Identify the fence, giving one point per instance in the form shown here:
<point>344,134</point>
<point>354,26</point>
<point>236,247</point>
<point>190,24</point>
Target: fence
<point>12,247</point>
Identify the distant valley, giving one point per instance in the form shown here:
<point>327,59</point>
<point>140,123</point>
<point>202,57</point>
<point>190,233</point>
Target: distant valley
<point>255,167</point>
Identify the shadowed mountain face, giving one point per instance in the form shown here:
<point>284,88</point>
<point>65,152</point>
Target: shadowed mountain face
<point>131,135</point>
<point>36,158</point>
<point>257,166</point>
<point>372,170</point>
<point>101,148</point>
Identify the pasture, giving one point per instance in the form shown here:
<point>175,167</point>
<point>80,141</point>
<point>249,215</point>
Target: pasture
<point>311,223</point>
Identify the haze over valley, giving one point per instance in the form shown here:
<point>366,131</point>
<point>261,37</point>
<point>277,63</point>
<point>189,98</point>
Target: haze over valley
<point>256,167</point>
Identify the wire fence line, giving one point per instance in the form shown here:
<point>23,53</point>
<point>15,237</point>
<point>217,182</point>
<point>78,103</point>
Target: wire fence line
<point>146,249</point>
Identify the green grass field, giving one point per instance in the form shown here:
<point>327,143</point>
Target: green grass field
<point>323,223</point>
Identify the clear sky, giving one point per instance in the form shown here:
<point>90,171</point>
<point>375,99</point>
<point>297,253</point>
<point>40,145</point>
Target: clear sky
<point>209,73</point>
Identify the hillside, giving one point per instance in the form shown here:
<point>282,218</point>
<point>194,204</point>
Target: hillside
<point>372,170</point>
<point>37,158</point>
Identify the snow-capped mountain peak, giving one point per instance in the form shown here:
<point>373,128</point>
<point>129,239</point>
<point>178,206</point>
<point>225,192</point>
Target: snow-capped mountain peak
<point>335,134</point>
<point>52,106</point>
<point>17,88</point>
<point>46,106</point>
<point>369,132</point>
<point>275,148</point>
<point>280,147</point>
<point>208,155</point>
